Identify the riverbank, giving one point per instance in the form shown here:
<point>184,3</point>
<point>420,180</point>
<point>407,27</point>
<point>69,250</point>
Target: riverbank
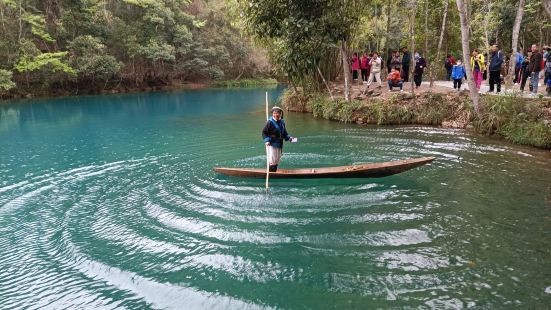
<point>519,120</point>
<point>117,88</point>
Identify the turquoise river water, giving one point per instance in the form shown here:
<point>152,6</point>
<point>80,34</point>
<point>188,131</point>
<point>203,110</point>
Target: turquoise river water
<point>110,202</point>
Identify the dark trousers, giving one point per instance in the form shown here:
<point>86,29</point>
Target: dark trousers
<point>523,82</point>
<point>517,71</point>
<point>448,74</point>
<point>405,73</point>
<point>364,75</point>
<point>457,83</point>
<point>418,78</point>
<point>495,79</point>
<point>354,74</point>
<point>547,81</point>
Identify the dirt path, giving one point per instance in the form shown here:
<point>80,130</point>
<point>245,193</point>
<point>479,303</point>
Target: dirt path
<point>443,87</point>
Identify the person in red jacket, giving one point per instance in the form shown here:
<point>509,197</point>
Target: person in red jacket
<point>364,66</point>
<point>394,79</point>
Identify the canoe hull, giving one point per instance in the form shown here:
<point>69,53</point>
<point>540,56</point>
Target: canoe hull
<point>374,170</point>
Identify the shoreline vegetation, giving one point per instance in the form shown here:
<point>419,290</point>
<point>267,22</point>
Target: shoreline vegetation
<point>518,120</point>
<point>121,88</point>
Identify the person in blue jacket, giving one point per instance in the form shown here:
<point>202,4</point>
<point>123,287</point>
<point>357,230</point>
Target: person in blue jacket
<point>458,73</point>
<point>496,61</point>
<point>274,133</point>
<point>518,65</point>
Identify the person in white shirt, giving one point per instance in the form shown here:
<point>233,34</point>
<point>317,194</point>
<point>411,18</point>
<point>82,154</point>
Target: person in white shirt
<point>375,70</point>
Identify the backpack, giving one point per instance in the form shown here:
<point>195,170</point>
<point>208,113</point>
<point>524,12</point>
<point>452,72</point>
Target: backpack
<point>448,63</point>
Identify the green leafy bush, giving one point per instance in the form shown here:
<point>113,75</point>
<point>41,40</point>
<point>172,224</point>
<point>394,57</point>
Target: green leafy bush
<point>516,119</point>
<point>5,81</point>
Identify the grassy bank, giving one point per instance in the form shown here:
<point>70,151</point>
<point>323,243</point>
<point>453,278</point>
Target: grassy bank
<point>245,82</point>
<point>516,119</point>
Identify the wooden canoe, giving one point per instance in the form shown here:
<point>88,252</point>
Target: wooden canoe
<point>374,170</point>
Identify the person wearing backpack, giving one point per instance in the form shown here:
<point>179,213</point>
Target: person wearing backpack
<point>458,73</point>
<point>448,64</point>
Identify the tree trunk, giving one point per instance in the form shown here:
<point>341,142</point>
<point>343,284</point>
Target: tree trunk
<point>442,30</point>
<point>547,6</point>
<point>513,58</point>
<point>20,23</point>
<point>387,40</point>
<point>541,36</point>
<point>346,70</point>
<point>466,50</point>
<point>52,10</point>
<point>412,37</point>
<point>427,29</point>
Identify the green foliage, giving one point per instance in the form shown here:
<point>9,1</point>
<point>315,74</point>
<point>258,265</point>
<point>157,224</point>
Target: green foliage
<point>300,33</point>
<point>534,133</point>
<point>87,57</point>
<point>515,119</point>
<point>45,61</point>
<point>5,80</point>
<point>38,26</point>
<point>245,83</point>
<point>86,45</point>
<point>101,67</point>
<point>387,112</point>
<point>140,41</point>
<point>338,109</point>
<point>157,51</point>
<point>295,100</point>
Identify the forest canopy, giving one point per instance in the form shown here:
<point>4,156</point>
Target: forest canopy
<point>54,44</point>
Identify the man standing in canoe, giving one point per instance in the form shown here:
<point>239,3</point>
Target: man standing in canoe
<point>274,133</point>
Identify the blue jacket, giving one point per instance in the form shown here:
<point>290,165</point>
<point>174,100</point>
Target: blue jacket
<point>458,72</point>
<point>496,60</point>
<point>275,132</point>
<point>519,59</point>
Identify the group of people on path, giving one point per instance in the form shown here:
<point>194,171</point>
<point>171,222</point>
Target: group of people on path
<point>532,65</point>
<point>398,68</point>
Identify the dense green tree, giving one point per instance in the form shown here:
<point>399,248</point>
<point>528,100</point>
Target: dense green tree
<point>78,43</point>
<point>5,81</point>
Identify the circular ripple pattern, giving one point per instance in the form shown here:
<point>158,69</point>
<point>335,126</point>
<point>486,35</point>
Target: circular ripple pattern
<point>125,212</point>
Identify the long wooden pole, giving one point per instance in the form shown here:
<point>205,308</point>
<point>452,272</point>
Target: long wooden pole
<point>267,149</point>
